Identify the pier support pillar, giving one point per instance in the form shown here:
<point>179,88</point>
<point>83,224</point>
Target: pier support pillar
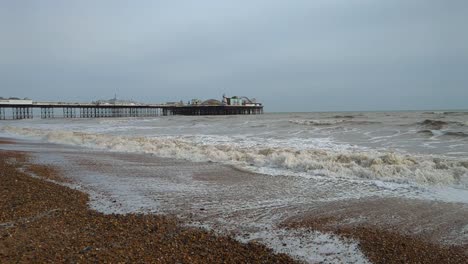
<point>22,113</point>
<point>113,112</point>
<point>2,113</point>
<point>47,112</point>
<point>69,112</point>
<point>14,113</point>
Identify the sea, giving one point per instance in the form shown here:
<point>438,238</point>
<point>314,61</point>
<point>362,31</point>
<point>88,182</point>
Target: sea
<point>245,175</point>
<point>428,148</point>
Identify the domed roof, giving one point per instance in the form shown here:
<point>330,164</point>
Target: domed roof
<point>212,102</point>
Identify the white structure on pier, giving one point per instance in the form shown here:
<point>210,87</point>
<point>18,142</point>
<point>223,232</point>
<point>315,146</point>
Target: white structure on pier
<point>15,101</point>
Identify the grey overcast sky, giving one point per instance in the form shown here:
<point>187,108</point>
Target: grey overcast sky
<point>298,55</point>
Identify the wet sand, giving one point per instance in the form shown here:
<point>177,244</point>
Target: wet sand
<point>282,212</point>
<point>435,222</point>
<point>394,230</point>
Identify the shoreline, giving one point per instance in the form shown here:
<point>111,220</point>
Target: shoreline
<point>376,242</point>
<point>42,221</point>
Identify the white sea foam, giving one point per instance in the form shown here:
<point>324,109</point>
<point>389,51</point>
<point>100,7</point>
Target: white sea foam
<point>342,162</point>
<point>326,248</point>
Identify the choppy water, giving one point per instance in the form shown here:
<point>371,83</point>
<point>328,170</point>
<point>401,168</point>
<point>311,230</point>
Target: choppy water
<point>429,148</point>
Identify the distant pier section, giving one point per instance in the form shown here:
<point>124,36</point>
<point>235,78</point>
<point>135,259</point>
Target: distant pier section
<point>15,108</point>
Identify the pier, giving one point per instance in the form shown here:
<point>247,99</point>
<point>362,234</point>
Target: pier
<point>45,110</point>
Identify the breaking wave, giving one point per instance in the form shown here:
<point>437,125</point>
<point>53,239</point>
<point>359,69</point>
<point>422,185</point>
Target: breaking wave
<point>324,162</point>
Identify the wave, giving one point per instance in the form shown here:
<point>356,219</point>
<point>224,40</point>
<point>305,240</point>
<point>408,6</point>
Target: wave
<point>439,133</point>
<point>343,116</point>
<point>453,113</point>
<point>331,122</point>
<point>373,165</point>
<point>363,122</point>
<point>426,132</point>
<point>439,124</point>
<point>316,122</point>
<point>431,133</point>
<point>456,134</point>
<point>433,124</point>
<point>434,113</point>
